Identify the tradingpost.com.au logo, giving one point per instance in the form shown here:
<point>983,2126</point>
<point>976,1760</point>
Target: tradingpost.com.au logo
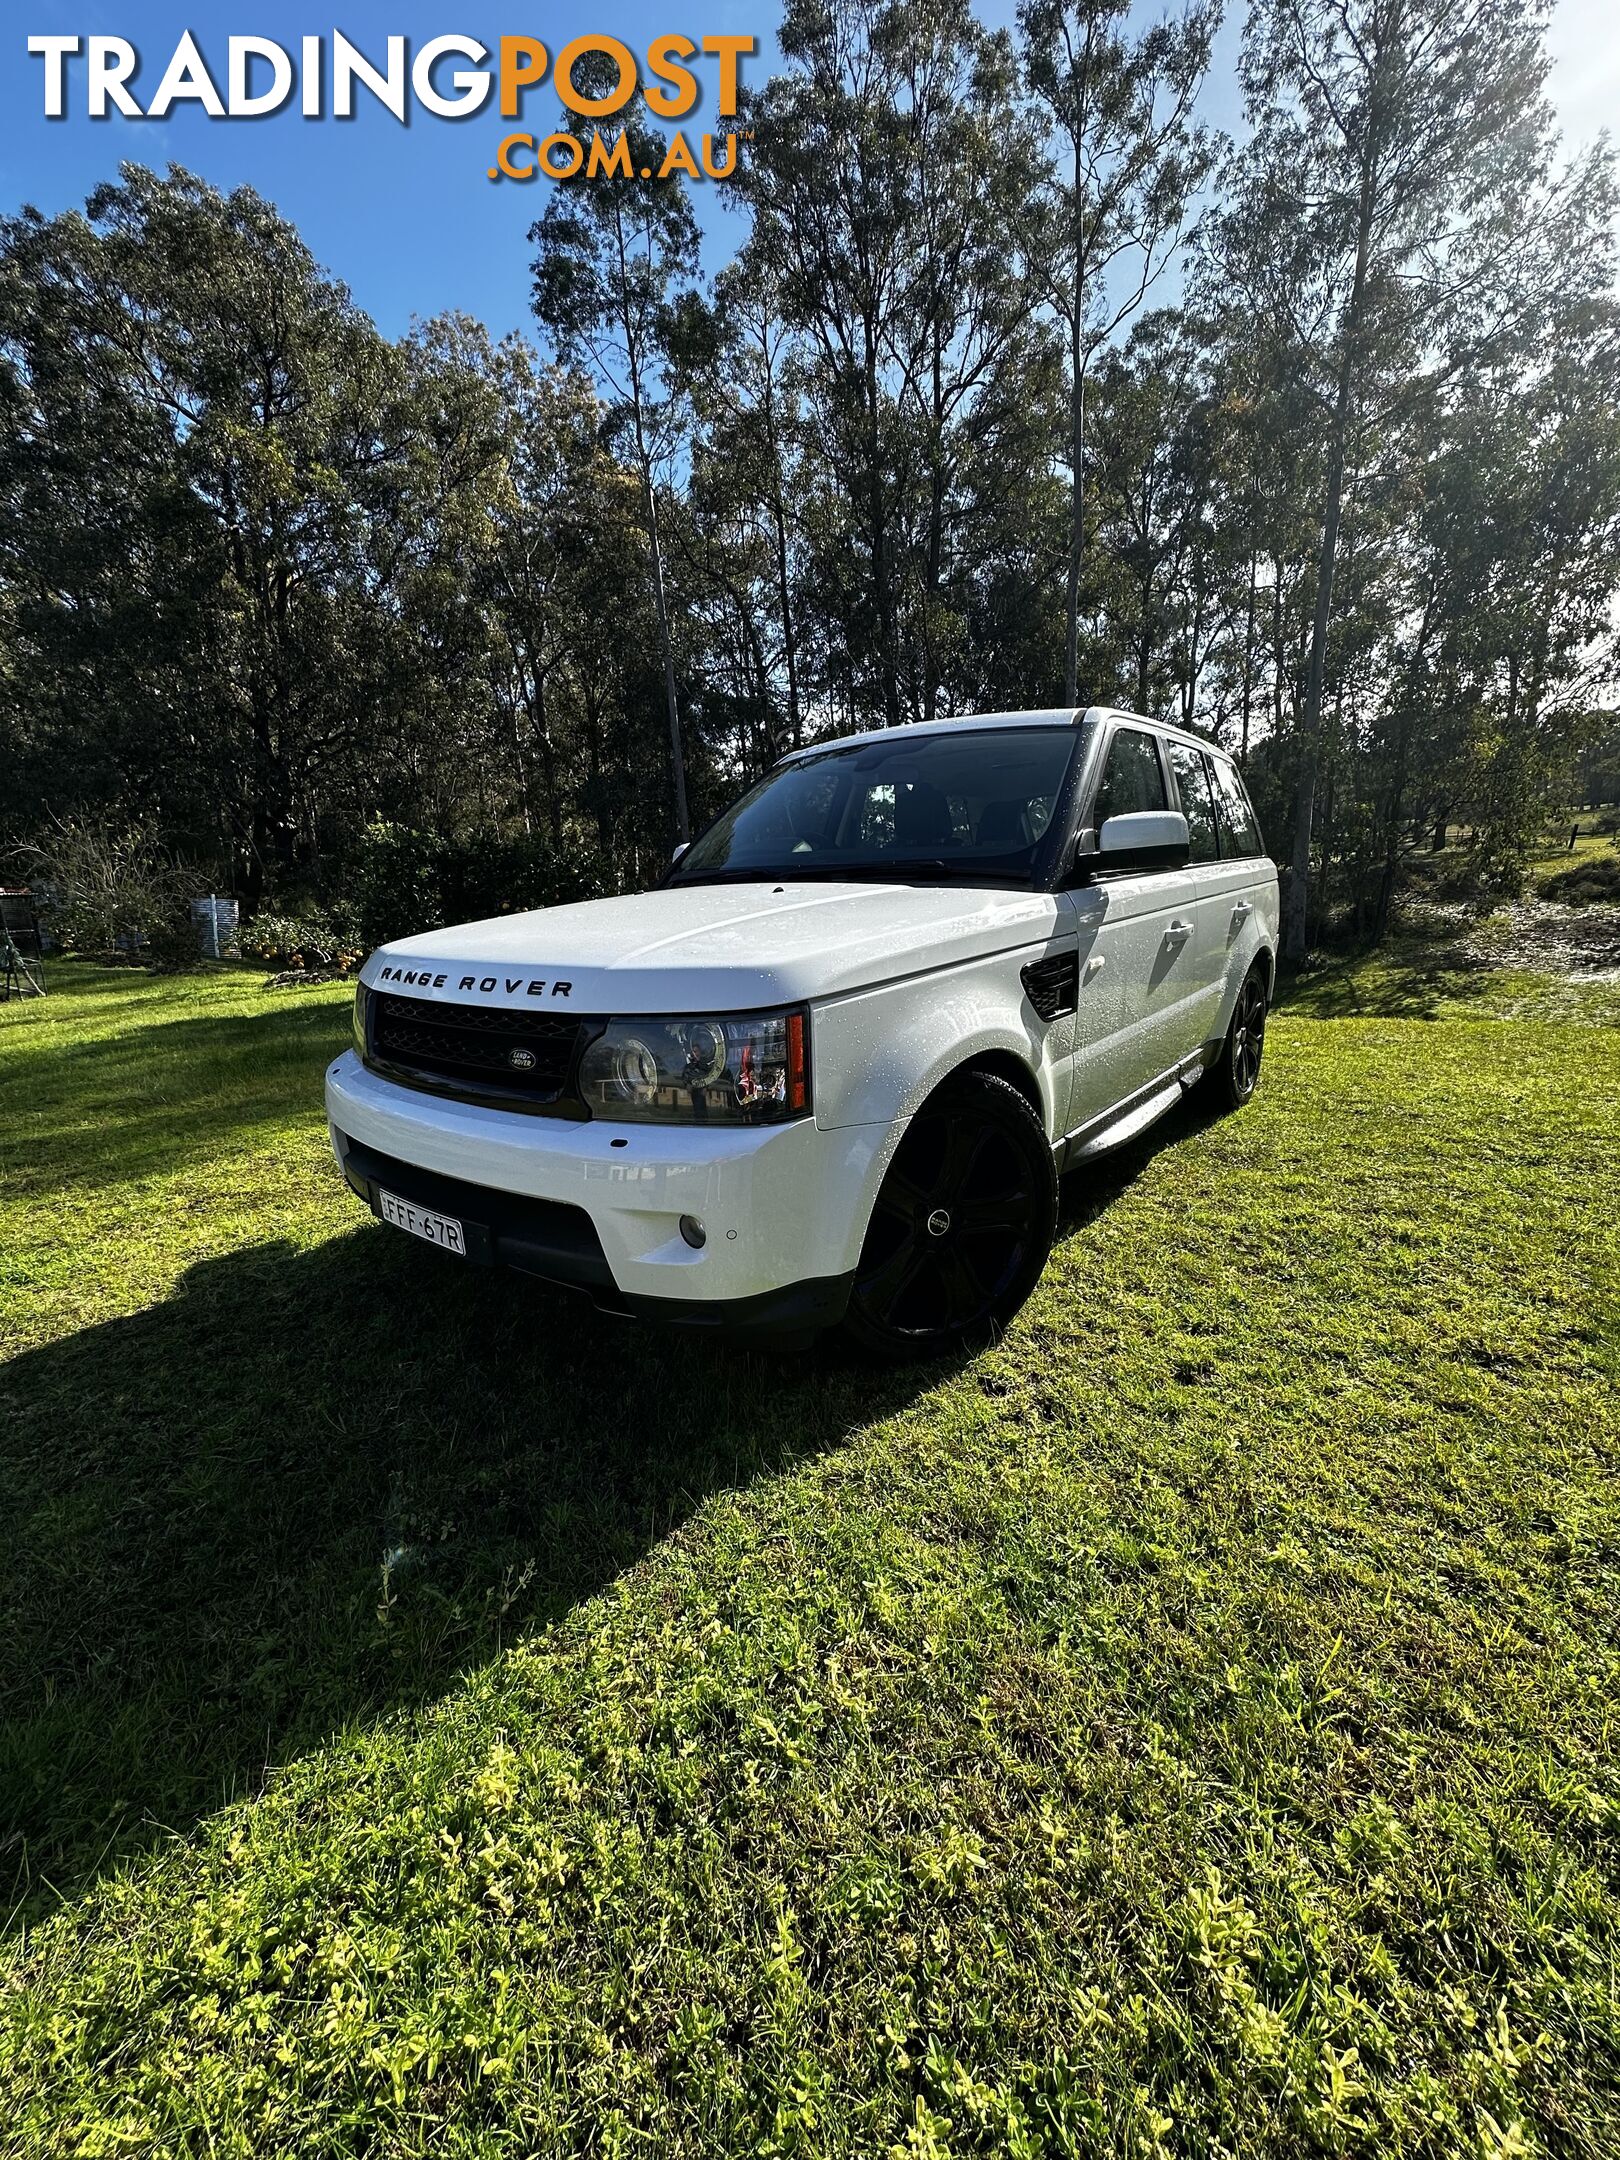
<point>323,78</point>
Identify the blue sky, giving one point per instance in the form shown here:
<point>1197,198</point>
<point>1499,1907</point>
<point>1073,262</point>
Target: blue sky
<point>406,215</point>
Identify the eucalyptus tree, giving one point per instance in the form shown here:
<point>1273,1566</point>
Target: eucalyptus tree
<point>831,189</point>
<point>749,474</point>
<point>1396,209</point>
<point>261,439</point>
<point>971,352</point>
<point>616,252</point>
<point>1519,546</point>
<point>886,184</point>
<point>1127,157</point>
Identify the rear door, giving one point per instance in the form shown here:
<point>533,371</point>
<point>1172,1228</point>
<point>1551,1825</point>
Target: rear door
<point>1208,883</point>
<point>1243,858</point>
<point>1136,944</point>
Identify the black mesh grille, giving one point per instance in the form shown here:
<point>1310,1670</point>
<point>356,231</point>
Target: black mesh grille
<point>480,1048</point>
<point>1053,984</point>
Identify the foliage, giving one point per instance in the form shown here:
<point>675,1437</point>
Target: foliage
<point>1351,505</point>
<point>318,937</point>
<point>404,880</point>
<point>1400,223</point>
<point>112,887</point>
<point>1581,884</point>
<point>1187,1725</point>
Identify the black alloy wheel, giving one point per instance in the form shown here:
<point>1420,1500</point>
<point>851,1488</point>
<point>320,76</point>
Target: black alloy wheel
<point>962,1224</point>
<point>1238,1069</point>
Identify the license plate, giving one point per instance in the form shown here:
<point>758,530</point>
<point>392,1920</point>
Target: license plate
<point>441,1230</point>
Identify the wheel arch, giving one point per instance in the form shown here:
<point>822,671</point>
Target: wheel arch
<point>1001,1065</point>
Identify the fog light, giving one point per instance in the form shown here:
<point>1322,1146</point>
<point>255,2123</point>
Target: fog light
<point>694,1233</point>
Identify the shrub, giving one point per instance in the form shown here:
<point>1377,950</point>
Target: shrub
<point>1585,884</point>
<point>326,938</point>
<point>404,880</point>
<point>116,890</point>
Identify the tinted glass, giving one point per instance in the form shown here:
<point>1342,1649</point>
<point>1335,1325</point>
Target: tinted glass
<point>1197,802</point>
<point>1240,832</point>
<point>1132,777</point>
<point>974,804</point>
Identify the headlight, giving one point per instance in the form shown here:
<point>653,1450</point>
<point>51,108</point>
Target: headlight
<point>361,994</point>
<point>745,1070</point>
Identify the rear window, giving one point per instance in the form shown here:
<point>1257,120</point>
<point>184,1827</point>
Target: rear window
<point>1240,829</point>
<point>1197,801</point>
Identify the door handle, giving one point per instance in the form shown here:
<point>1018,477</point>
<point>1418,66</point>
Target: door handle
<point>1178,933</point>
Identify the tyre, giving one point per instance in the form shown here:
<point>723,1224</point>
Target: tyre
<point>962,1224</point>
<point>1236,1072</point>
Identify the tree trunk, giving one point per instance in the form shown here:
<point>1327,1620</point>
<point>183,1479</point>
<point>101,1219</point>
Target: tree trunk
<point>683,827</point>
<point>790,650</point>
<point>1077,441</point>
<point>878,511</point>
<point>1297,906</point>
<point>936,528</point>
<point>1248,661</point>
<point>1077,527</point>
<point>655,545</point>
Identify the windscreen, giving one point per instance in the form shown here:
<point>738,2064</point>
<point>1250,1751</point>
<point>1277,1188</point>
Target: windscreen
<point>976,804</point>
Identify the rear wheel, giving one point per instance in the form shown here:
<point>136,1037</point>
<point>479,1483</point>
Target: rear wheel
<point>1237,1070</point>
<point>962,1225</point>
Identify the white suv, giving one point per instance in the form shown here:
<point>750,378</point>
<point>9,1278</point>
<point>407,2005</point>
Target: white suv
<point>829,1071</point>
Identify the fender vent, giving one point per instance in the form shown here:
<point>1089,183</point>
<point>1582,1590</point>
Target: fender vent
<point>1053,984</point>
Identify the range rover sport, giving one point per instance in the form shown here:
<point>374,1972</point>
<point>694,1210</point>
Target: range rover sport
<point>829,1071</point>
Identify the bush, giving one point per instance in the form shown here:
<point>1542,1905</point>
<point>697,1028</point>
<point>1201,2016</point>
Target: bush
<point>116,891</point>
<point>403,880</point>
<point>325,938</point>
<point>1585,884</point>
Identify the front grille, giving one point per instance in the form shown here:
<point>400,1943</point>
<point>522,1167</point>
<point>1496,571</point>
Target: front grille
<point>484,1052</point>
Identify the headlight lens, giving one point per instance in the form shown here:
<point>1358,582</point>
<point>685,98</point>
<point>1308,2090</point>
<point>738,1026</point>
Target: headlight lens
<point>361,994</point>
<point>746,1070</point>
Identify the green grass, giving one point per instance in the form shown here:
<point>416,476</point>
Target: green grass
<point>1421,975</point>
<point>434,1720</point>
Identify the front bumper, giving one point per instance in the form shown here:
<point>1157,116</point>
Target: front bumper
<point>598,1206</point>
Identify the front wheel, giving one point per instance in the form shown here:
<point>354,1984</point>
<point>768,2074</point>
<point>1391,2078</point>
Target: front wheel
<point>962,1224</point>
<point>1237,1069</point>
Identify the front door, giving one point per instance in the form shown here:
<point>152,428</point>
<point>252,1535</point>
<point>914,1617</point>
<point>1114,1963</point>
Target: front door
<point>1137,1013</point>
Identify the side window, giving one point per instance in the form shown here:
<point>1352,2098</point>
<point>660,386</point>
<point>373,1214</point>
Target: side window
<point>1197,802</point>
<point>1240,831</point>
<point>1133,778</point>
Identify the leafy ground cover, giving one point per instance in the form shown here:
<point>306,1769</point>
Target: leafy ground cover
<point>434,1720</point>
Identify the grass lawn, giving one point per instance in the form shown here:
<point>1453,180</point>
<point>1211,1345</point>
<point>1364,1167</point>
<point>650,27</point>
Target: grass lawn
<point>434,1720</point>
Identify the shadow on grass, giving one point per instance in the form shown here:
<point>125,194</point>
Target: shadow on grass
<point>312,1487</point>
<point>316,1484</point>
<point>1403,981</point>
<point>1091,1188</point>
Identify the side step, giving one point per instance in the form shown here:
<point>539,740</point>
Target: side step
<point>1116,1131</point>
<point>1126,1128</point>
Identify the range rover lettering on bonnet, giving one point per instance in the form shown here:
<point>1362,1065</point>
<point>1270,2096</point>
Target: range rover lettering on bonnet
<point>425,979</point>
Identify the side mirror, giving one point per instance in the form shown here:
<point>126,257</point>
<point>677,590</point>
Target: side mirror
<point>1138,840</point>
<point>679,852</point>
